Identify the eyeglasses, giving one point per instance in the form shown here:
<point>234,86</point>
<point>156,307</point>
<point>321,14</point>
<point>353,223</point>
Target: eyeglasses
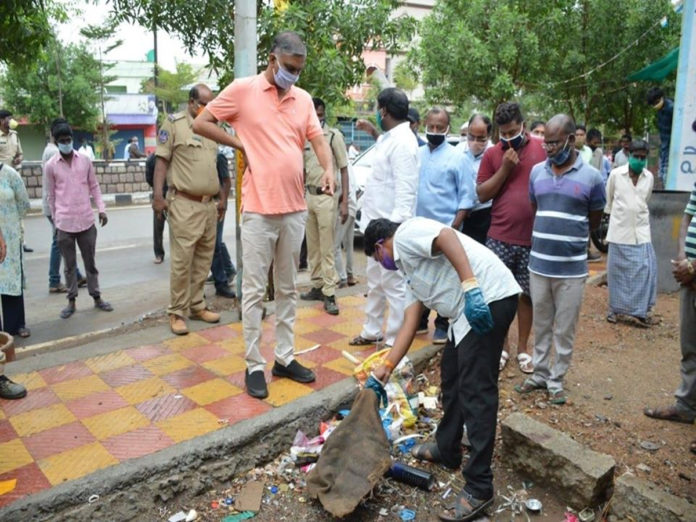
<point>477,139</point>
<point>550,145</point>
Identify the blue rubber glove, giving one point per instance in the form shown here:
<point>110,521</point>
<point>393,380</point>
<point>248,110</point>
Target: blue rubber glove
<point>477,311</point>
<point>373,384</point>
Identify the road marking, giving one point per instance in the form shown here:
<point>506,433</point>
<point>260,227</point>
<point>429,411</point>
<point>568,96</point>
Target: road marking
<point>105,249</point>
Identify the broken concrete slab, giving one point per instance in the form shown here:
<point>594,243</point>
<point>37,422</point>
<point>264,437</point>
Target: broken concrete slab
<point>639,499</point>
<point>582,477</point>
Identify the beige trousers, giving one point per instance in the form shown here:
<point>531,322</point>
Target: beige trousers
<point>321,223</point>
<point>192,229</point>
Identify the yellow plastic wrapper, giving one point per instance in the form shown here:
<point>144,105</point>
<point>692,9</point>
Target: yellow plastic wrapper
<point>362,370</point>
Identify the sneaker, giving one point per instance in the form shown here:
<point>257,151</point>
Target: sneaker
<point>593,257</point>
<point>330,305</point>
<point>225,292</point>
<point>294,371</point>
<point>315,294</point>
<point>440,336</point>
<point>11,390</point>
<point>256,384</point>
<point>177,325</point>
<point>60,288</point>
<point>206,315</point>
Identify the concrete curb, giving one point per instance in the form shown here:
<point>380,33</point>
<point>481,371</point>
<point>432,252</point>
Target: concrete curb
<point>131,489</point>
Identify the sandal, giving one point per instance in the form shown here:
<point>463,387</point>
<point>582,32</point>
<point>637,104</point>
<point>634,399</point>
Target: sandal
<point>465,507</point>
<point>670,413</point>
<point>503,360</point>
<point>362,341</point>
<point>524,361</point>
<point>557,397</point>
<point>529,386</point>
<point>429,451</point>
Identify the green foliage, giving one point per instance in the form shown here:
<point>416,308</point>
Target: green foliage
<point>405,76</point>
<point>25,28</point>
<point>172,87</point>
<point>57,73</point>
<point>336,33</point>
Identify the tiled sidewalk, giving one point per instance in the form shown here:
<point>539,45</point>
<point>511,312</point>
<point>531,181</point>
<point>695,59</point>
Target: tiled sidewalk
<point>95,413</point>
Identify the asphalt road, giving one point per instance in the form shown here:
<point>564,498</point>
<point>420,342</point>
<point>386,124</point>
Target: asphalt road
<point>128,278</point>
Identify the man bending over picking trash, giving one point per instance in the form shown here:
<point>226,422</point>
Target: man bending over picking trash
<point>464,281</point>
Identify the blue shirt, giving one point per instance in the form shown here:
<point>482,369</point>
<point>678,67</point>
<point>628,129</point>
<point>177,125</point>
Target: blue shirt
<point>443,189</point>
<point>561,224</point>
<point>471,165</point>
<point>664,122</point>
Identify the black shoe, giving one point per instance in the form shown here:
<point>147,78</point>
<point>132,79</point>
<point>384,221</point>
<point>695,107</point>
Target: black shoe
<point>27,250</point>
<point>225,292</point>
<point>330,305</point>
<point>210,279</point>
<point>315,294</point>
<point>11,390</point>
<point>103,305</point>
<point>294,371</point>
<point>68,310</point>
<point>82,282</point>
<point>256,384</point>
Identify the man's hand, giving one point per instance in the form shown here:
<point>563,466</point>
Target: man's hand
<point>159,205</point>
<point>374,384</point>
<point>476,310</point>
<point>681,271</point>
<point>103,220</point>
<point>328,183</point>
<point>221,209</point>
<point>368,127</point>
<point>510,159</point>
<point>17,160</point>
<point>343,209</point>
<point>3,249</point>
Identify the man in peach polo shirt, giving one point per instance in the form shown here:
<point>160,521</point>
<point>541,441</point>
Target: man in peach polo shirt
<point>272,119</point>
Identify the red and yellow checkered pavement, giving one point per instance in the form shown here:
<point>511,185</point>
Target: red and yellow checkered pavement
<point>95,413</point>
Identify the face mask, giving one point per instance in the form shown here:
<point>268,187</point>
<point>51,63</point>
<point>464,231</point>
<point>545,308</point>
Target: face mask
<point>284,79</point>
<point>561,156</point>
<point>435,138</point>
<point>13,123</point>
<point>637,165</point>
<point>380,124</point>
<point>200,109</point>
<point>65,148</point>
<point>515,141</point>
<point>386,261</point>
<point>659,104</point>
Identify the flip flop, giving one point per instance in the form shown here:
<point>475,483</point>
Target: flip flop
<point>362,341</point>
<point>465,507</point>
<point>503,360</point>
<point>670,413</point>
<point>529,386</point>
<point>429,452</point>
<point>557,397</point>
<point>524,361</point>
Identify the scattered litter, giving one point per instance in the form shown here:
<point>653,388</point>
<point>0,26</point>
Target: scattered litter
<point>570,517</point>
<point>214,504</point>
<point>407,514</point>
<point>192,515</point>
<point>384,512</point>
<point>229,501</point>
<point>608,397</point>
<point>223,421</point>
<point>178,517</point>
<point>350,357</point>
<point>586,515</point>
<point>239,516</point>
<point>249,498</point>
<point>93,499</point>
<point>178,396</point>
<point>515,501</point>
<point>274,489</point>
<point>644,467</point>
<point>447,493</point>
<point>412,476</point>
<point>650,446</point>
<point>533,505</point>
<point>307,350</point>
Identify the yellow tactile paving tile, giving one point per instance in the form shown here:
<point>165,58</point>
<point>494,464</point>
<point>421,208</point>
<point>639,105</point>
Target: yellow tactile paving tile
<point>235,346</point>
<point>115,422</point>
<point>110,361</point>
<point>41,419</point>
<point>31,381</point>
<point>144,390</point>
<point>350,313</point>
<point>167,364</point>
<point>188,425</point>
<point>226,365</point>
<point>210,391</point>
<point>282,391</point>
<point>303,327</point>
<point>76,388</point>
<point>354,301</point>
<point>307,312</point>
<point>349,329</point>
<point>2,415</point>
<point>185,341</point>
<point>13,455</point>
<point>237,327</point>
<point>76,463</point>
<point>341,365</point>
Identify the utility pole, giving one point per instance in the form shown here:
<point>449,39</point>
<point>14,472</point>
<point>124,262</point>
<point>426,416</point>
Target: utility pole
<point>155,70</point>
<point>244,65</point>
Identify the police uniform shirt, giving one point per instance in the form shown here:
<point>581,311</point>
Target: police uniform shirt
<point>339,156</point>
<point>9,147</point>
<point>192,158</point>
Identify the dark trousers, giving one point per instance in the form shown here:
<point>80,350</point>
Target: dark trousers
<point>441,323</point>
<point>476,225</point>
<point>87,241</point>
<point>222,265</point>
<point>470,393</point>
<point>157,232</point>
<point>12,313</point>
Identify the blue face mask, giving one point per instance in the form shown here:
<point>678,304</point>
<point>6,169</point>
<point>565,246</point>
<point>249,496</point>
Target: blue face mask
<point>515,141</point>
<point>380,124</point>
<point>561,156</point>
<point>65,148</point>
<point>284,79</point>
<point>386,260</point>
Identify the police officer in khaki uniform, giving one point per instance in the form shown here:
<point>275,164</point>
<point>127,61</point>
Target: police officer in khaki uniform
<point>188,161</point>
<point>10,147</point>
<point>321,214</point>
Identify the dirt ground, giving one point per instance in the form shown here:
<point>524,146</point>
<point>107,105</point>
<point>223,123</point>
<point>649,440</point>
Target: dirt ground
<point>616,371</point>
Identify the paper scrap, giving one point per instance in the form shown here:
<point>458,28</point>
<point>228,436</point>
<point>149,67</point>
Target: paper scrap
<point>249,499</point>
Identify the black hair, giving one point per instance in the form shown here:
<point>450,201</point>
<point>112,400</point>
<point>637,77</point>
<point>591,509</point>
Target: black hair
<point>289,42</point>
<point>4,114</point>
<point>507,112</point>
<point>535,124</point>
<point>413,115</point>
<point>378,229</point>
<point>638,144</point>
<point>61,129</point>
<point>57,121</point>
<point>438,110</point>
<point>485,119</point>
<point>318,102</point>
<point>626,137</point>
<point>594,133</point>
<point>581,127</point>
<point>394,101</point>
<point>654,95</point>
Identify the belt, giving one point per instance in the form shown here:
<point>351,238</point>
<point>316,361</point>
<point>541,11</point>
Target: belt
<point>316,190</point>
<point>186,195</point>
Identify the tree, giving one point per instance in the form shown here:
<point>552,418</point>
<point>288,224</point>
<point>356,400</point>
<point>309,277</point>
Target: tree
<point>25,28</point>
<point>172,87</point>
<point>336,33</point>
<point>59,80</point>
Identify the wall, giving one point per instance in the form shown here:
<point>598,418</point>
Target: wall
<point>115,177</point>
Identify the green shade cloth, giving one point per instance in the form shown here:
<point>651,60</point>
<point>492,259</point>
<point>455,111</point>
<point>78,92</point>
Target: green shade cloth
<point>657,71</point>
<point>150,55</point>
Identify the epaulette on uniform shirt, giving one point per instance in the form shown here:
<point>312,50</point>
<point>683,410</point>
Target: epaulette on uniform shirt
<point>176,116</point>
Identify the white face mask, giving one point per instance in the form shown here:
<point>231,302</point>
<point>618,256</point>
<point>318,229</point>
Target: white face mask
<point>65,148</point>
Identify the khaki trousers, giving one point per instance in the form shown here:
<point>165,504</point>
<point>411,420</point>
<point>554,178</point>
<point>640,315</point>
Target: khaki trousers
<point>321,222</point>
<point>270,239</point>
<point>192,228</point>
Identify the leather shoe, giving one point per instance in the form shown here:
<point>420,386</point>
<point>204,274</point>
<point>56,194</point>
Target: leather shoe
<point>294,371</point>
<point>315,294</point>
<point>225,292</point>
<point>351,281</point>
<point>58,289</point>
<point>256,384</point>
<point>330,305</point>
<point>177,324</point>
<point>206,315</point>
<point>11,390</point>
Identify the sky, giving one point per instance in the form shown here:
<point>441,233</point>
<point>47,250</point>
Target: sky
<point>136,40</point>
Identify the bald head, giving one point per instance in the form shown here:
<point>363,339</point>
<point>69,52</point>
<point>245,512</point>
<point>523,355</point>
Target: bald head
<point>561,123</point>
<point>199,96</point>
<point>289,42</point>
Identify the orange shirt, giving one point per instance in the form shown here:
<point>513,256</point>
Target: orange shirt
<point>273,133</point>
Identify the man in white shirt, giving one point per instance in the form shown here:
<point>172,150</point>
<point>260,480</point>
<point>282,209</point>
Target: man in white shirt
<point>390,192</point>
<point>86,149</point>
<point>632,265</point>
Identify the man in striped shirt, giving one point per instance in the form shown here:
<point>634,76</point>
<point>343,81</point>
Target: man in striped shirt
<point>684,270</point>
<point>568,197</point>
